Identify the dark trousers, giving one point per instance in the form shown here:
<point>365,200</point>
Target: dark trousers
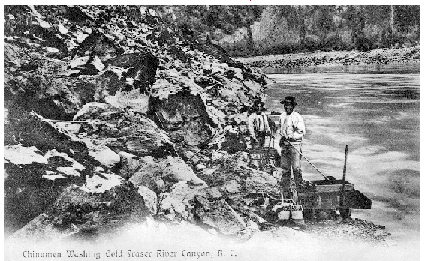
<point>261,137</point>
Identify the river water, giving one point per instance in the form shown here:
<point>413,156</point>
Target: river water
<point>377,116</point>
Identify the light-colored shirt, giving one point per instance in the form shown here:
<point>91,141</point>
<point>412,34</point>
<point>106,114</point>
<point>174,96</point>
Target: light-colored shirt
<point>292,127</point>
<point>257,123</point>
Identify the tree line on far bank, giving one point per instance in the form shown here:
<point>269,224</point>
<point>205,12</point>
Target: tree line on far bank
<point>261,30</point>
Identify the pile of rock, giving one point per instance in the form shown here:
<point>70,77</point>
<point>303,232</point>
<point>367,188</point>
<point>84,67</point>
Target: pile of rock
<point>113,115</point>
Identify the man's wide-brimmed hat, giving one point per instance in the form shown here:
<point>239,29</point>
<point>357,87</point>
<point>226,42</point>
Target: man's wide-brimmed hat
<point>258,103</point>
<point>289,99</point>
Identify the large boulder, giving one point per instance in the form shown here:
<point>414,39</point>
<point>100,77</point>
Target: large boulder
<point>40,161</point>
<point>160,175</point>
<point>150,198</point>
<point>138,68</point>
<point>178,203</point>
<point>184,116</point>
<point>84,212</point>
<point>232,173</point>
<point>123,130</point>
<point>218,214</point>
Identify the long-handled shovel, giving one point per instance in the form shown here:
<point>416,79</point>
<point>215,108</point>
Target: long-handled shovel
<point>267,160</point>
<point>309,162</point>
<point>343,210</point>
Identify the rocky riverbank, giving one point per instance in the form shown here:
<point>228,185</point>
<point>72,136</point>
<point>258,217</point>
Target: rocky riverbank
<point>338,59</point>
<point>114,118</point>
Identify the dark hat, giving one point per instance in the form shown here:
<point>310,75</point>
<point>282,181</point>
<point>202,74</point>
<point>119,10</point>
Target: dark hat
<point>290,99</point>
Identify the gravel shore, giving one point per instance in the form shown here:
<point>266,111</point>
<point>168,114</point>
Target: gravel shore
<point>336,58</point>
<point>353,229</point>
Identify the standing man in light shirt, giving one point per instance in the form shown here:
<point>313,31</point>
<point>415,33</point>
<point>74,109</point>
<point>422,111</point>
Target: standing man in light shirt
<point>292,131</point>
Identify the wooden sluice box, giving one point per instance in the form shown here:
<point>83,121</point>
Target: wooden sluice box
<point>318,195</point>
<point>326,195</point>
<point>263,157</point>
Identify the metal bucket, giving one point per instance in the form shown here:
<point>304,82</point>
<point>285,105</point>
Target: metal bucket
<point>284,215</point>
<point>297,212</point>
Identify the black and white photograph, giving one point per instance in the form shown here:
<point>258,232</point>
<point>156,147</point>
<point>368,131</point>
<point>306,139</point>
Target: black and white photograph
<point>211,132</point>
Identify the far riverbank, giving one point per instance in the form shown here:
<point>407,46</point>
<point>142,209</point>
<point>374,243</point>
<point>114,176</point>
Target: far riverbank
<point>380,60</point>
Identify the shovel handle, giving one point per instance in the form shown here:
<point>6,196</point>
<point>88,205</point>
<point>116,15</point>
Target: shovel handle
<point>342,201</point>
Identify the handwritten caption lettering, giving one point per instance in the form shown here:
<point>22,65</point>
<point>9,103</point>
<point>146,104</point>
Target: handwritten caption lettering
<point>128,253</point>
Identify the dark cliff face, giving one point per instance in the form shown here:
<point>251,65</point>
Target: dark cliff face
<point>95,97</point>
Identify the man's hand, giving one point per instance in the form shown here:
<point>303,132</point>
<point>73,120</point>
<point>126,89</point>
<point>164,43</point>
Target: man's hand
<point>282,141</point>
<point>290,138</point>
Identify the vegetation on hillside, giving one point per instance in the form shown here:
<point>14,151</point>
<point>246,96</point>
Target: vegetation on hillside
<point>260,30</point>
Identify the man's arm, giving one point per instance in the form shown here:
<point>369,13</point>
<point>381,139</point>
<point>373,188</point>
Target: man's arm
<point>281,127</point>
<point>282,131</point>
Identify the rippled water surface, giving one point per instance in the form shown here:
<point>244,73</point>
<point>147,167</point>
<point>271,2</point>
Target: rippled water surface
<point>377,116</point>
